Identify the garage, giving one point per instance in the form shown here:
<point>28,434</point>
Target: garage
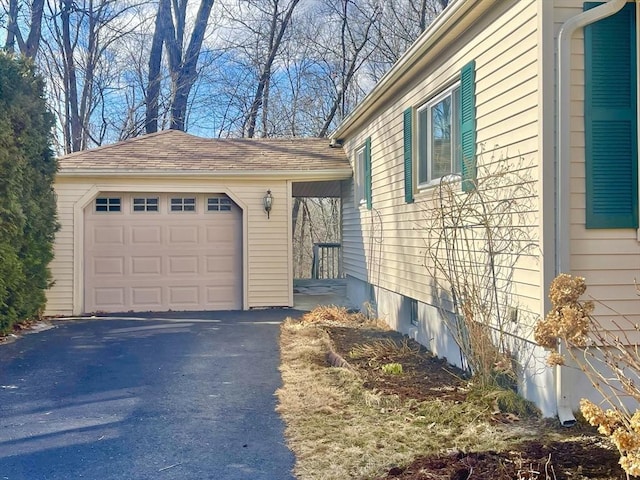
<point>153,251</point>
<point>169,222</point>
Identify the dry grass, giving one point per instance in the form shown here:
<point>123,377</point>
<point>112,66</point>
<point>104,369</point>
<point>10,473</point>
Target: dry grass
<point>339,430</point>
<point>334,315</point>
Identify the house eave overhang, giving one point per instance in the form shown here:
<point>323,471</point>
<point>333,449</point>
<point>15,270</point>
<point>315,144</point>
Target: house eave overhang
<point>453,20</point>
<point>293,175</point>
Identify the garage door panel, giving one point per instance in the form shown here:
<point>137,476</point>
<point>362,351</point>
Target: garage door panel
<point>221,234</point>
<point>179,235</point>
<point>146,235</point>
<point>109,298</point>
<point>220,264</point>
<point>146,297</point>
<point>111,235</point>
<point>184,295</point>
<point>181,264</point>
<point>162,260</point>
<point>214,294</point>
<point>146,265</point>
<point>108,266</point>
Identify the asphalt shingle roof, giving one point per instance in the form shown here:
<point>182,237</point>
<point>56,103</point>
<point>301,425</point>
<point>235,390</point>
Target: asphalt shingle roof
<point>172,150</point>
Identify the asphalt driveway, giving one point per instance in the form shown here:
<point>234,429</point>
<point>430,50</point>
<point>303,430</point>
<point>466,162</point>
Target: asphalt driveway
<point>169,396</point>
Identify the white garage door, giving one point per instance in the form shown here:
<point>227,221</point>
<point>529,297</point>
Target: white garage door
<point>162,252</point>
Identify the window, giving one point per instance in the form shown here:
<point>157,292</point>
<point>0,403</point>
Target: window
<point>439,152</point>
<point>183,204</point>
<point>219,204</point>
<point>107,204</point>
<point>413,311</point>
<point>142,204</point>
<point>446,137</point>
<point>362,191</point>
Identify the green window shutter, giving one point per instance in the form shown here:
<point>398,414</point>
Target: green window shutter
<point>367,172</point>
<point>468,126</point>
<point>611,134</point>
<point>408,161</point>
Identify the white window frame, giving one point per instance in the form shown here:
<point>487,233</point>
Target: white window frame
<point>148,204</point>
<point>359,180</point>
<point>183,203</point>
<point>424,163</point>
<point>111,205</point>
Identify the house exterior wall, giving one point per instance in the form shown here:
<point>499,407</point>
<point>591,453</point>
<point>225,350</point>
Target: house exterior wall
<point>384,247</point>
<point>267,268</point>
<point>608,258</point>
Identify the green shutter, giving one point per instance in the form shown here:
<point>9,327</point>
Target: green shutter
<point>408,163</point>
<point>611,134</point>
<point>468,126</point>
<point>367,172</point>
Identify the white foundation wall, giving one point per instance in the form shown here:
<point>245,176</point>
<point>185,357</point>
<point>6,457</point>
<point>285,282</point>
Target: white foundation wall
<point>267,267</point>
<point>536,380</point>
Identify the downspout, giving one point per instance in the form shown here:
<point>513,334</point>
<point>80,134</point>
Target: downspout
<point>563,149</point>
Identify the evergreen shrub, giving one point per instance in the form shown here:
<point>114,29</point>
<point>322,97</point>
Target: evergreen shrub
<point>27,200</point>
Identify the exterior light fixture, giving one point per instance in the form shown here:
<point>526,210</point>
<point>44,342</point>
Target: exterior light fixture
<point>268,202</point>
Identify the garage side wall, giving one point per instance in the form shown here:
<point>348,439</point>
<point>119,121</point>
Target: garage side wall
<point>266,267</point>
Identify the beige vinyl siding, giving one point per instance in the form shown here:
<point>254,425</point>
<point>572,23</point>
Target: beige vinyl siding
<point>609,259</point>
<point>386,246</point>
<point>267,241</point>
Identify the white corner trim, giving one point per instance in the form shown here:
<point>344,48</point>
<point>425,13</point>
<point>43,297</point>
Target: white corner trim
<point>290,241</point>
<point>78,248</point>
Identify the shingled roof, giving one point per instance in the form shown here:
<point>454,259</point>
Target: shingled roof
<point>172,151</point>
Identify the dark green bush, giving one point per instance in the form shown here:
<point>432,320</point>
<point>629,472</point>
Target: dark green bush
<point>27,201</point>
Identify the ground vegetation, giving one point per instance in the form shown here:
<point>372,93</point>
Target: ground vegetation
<point>347,417</point>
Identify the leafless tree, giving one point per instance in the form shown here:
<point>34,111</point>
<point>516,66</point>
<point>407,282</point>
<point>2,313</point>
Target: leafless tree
<point>259,34</point>
<point>356,20</point>
<point>29,15</point>
<point>401,23</point>
<point>79,43</point>
<point>170,31</point>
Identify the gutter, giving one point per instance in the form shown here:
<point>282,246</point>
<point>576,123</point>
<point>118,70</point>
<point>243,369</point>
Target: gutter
<point>563,146</point>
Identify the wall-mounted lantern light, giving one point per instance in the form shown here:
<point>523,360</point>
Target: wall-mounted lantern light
<point>268,202</point>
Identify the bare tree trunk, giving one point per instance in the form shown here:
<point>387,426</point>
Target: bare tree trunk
<point>275,40</point>
<point>294,215</point>
<point>73,126</point>
<point>13,30</point>
<point>350,62</point>
<point>155,62</point>
<point>30,47</point>
<point>169,31</point>
<point>184,73</point>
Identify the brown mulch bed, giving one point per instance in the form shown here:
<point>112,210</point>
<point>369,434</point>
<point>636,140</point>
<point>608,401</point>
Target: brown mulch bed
<point>424,375</point>
<point>559,454</point>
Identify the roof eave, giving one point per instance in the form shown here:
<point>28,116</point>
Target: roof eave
<point>295,175</point>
